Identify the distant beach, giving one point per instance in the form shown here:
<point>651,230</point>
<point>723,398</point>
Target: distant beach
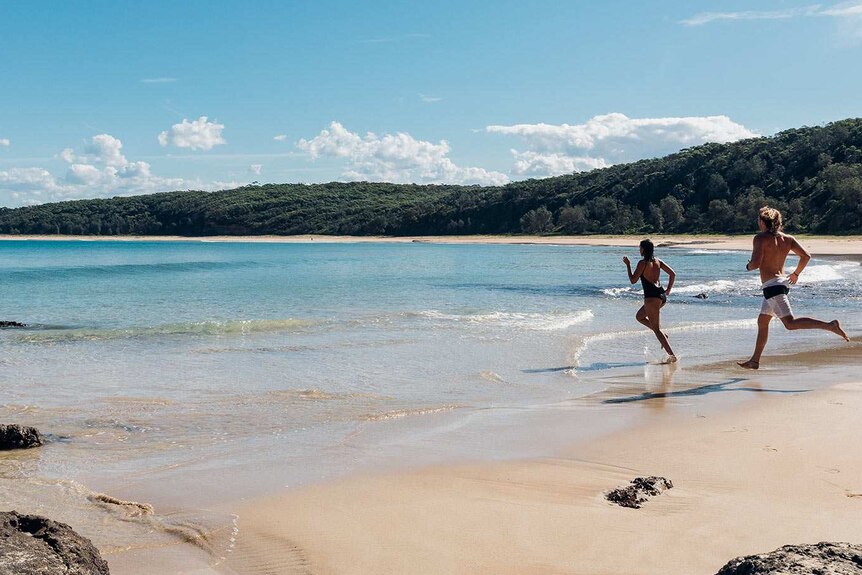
<point>820,245</point>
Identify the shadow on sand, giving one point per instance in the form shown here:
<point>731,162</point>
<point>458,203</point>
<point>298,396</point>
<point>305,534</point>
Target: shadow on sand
<point>701,390</point>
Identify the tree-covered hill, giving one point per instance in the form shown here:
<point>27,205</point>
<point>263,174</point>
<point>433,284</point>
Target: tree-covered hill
<point>814,175</point>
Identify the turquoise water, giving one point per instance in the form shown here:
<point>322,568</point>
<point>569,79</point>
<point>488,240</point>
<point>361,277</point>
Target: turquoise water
<point>148,362</point>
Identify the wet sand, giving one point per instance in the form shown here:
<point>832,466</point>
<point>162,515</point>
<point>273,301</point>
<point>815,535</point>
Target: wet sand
<point>784,469</point>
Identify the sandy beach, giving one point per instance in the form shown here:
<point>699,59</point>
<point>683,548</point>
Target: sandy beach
<point>751,471</point>
<point>778,471</point>
<point>818,245</point>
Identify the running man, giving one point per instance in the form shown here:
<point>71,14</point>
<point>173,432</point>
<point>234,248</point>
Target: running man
<point>649,271</point>
<point>771,247</point>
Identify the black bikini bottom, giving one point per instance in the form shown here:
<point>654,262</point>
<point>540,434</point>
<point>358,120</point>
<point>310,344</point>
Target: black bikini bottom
<point>661,296</point>
<point>772,291</point>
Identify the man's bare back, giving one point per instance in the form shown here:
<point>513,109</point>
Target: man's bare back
<point>770,254</point>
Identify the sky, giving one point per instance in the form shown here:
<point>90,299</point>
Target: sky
<point>102,98</point>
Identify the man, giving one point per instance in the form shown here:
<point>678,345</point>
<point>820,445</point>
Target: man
<point>771,247</point>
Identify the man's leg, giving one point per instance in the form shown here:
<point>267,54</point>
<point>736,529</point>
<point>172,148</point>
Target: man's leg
<point>762,336</point>
<point>793,323</point>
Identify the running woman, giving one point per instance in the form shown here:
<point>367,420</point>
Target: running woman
<point>648,271</point>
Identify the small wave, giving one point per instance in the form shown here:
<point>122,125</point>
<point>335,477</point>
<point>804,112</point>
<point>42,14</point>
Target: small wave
<point>120,269</point>
<point>531,321</point>
<point>213,328</point>
<point>493,377</point>
<point>617,291</point>
<point>828,272</point>
<point>713,252</point>
<point>699,326</point>
<point>400,413</point>
<point>717,286</point>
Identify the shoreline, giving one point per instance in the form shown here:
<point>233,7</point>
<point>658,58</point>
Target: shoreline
<point>746,480</point>
<point>819,245</point>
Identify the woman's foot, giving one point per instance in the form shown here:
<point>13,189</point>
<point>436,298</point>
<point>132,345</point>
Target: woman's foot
<point>835,327</point>
<point>750,364</point>
<point>671,358</point>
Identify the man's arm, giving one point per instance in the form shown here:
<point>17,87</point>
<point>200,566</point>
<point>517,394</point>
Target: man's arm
<point>756,254</point>
<point>671,276</point>
<point>804,258</point>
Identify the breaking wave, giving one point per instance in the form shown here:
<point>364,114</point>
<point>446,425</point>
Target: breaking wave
<point>48,334</point>
<point>529,321</point>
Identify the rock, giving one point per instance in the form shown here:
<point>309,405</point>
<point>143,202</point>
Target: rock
<point>19,437</point>
<point>702,296</point>
<point>5,324</point>
<point>33,545</point>
<point>640,489</point>
<point>822,559</point>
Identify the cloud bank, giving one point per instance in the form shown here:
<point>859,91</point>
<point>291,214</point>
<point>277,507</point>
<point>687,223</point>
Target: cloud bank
<point>554,149</point>
<point>5,143</point>
<point>397,158</point>
<point>201,134</point>
<point>844,9</point>
<point>98,169</point>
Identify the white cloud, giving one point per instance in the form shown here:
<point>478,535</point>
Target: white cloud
<point>99,169</point>
<point>255,169</point>
<point>199,134</point>
<point>610,139</point>
<point>5,143</point>
<point>429,99</point>
<point>397,158</point>
<point>280,137</point>
<point>161,80</point>
<point>845,9</point>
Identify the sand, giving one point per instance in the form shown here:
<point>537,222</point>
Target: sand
<point>817,245</point>
<point>784,469</point>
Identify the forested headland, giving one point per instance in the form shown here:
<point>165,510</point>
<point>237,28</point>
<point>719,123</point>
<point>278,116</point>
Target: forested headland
<point>813,174</point>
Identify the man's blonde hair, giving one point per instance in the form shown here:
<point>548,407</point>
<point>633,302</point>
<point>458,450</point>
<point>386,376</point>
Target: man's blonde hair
<point>772,218</point>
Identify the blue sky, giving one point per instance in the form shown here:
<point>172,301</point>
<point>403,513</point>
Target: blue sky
<point>105,98</point>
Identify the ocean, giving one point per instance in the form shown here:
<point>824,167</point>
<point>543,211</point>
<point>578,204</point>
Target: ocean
<point>185,373</point>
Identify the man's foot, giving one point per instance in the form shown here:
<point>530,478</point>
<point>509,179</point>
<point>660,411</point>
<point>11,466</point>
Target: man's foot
<point>835,327</point>
<point>750,364</point>
<point>671,358</point>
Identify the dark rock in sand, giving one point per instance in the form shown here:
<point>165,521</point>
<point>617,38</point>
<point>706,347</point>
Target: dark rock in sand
<point>822,559</point>
<point>640,489</point>
<point>5,324</point>
<point>19,437</point>
<point>33,545</point>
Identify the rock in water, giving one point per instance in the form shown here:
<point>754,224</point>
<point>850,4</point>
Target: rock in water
<point>5,324</point>
<point>19,437</point>
<point>33,545</point>
<point>822,559</point>
<point>640,489</point>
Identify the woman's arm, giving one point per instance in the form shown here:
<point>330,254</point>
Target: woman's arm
<point>671,276</point>
<point>636,275</point>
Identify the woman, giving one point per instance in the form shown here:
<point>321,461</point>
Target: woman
<point>648,271</point>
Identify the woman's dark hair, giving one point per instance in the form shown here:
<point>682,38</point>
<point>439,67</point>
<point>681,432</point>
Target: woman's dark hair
<point>649,249</point>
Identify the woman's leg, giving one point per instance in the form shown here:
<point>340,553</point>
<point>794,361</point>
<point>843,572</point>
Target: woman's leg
<point>653,307</point>
<point>641,316</point>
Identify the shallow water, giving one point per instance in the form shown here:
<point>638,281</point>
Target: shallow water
<point>180,370</point>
